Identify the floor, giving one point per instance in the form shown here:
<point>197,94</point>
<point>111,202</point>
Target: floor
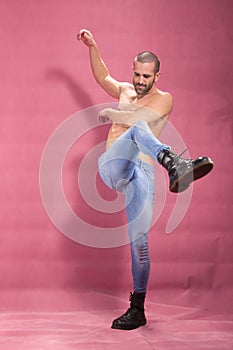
<point>168,328</point>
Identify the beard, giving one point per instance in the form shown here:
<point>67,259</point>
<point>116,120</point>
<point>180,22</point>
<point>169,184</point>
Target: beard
<point>143,89</point>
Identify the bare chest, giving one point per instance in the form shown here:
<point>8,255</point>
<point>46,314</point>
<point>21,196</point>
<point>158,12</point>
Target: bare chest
<point>128,100</point>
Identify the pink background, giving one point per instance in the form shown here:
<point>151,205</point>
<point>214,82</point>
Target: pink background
<point>45,78</point>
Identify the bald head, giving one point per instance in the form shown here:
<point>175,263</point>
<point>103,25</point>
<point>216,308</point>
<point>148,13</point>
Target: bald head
<point>147,56</point>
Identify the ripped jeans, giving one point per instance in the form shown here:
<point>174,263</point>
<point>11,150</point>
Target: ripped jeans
<point>121,169</point>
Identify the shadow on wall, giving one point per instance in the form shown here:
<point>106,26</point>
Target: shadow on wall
<point>79,95</point>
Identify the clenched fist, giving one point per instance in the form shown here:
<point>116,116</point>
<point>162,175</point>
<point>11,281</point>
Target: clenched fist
<point>103,116</point>
<point>86,37</point>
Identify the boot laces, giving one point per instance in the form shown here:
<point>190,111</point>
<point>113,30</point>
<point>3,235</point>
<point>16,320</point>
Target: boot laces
<point>185,150</point>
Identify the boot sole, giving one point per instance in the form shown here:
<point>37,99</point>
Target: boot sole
<point>195,173</point>
<point>143,323</point>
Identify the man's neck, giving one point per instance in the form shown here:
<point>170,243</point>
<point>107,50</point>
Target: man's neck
<point>151,92</point>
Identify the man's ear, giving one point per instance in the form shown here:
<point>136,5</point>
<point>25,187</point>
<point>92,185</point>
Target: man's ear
<point>157,76</point>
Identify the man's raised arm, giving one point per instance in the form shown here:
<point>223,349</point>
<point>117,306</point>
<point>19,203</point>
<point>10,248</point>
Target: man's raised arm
<point>99,69</point>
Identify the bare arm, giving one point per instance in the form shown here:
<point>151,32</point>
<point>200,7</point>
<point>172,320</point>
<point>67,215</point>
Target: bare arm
<point>99,69</point>
<point>127,117</point>
<point>131,113</point>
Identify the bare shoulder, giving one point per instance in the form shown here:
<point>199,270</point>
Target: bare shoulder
<point>124,86</point>
<point>127,93</point>
<point>162,102</point>
<point>165,95</point>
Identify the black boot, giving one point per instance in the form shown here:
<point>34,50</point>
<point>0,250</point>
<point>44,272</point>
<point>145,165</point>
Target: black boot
<point>134,317</point>
<point>183,171</point>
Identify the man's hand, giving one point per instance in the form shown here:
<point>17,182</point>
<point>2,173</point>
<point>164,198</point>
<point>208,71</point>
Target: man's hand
<point>99,69</point>
<point>103,116</point>
<point>86,37</point>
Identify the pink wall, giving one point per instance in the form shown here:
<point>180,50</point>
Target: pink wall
<point>46,78</point>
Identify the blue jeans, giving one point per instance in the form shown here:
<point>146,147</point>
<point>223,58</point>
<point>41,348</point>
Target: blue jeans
<point>121,169</point>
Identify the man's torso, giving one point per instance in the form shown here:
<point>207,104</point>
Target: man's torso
<point>128,101</point>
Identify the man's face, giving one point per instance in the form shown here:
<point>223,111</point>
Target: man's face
<point>143,77</point>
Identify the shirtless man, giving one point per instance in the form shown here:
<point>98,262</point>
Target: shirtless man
<point>127,164</point>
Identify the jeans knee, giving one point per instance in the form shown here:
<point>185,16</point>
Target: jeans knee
<point>142,124</point>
